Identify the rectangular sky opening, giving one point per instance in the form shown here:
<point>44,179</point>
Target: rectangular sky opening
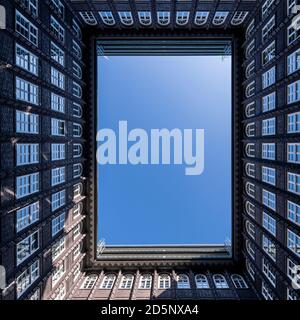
<point>183,194</point>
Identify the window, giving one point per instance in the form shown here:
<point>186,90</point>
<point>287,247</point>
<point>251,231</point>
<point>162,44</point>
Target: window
<point>59,7</point>
<point>77,130</point>
<point>58,200</point>
<point>76,231</point>
<point>58,224</point>
<point>269,271</point>
<point>57,29</point>
<point>293,182</point>
<point>292,34</point>
<point>76,251</point>
<point>250,209</point>
<point>250,150</point>
<point>76,49</point>
<point>77,210</point>
<point>27,91</point>
<point>145,281</point>
<point>89,282</point>
<point>36,295</point>
<point>220,17</point>
<point>77,150</point>
<point>126,18</point>
<point>250,249</point>
<point>293,152</point>
<point>201,17</point>
<point>220,281</point>
<point>250,129</point>
<point>250,269</point>
<point>77,170</point>
<point>269,247</point>
<point>27,247</point>
<point>250,189</point>
<point>26,28</point>
<point>57,78</point>
<point>266,292</point>
<point>250,48</point>
<point>76,272</point>
<point>250,110</point>
<point>250,69</point>
<point>61,292</point>
<point>77,110</point>
<point>57,127</point>
<point>31,6</point>
<point>57,103</point>
<point>27,278</point>
<point>269,175</point>
<point>239,281</point>
<point>269,53</point>
<point>293,242</point>
<point>250,169</point>
<point>26,60</point>
<point>126,281</point>
<point>268,151</point>
<point>239,17</point>
<point>293,125</point>
<point>269,126</point>
<point>183,282</point>
<point>293,212</point>
<point>269,102</point>
<point>77,72</point>
<point>58,272</point>
<point>145,17</point>
<point>163,18</point>
<point>250,28</point>
<point>77,91</point>
<point>250,229</point>
<point>77,190</point>
<point>291,295</point>
<point>88,17</point>
<point>108,281</point>
<point>293,62</point>
<point>290,6</point>
<point>57,54</point>
<point>250,89</point>
<point>201,281</point>
<point>58,151</point>
<point>269,199</point>
<point>164,281</point>
<point>76,29</point>
<point>292,270</point>
<point>58,176</point>
<point>269,223</point>
<point>266,8</point>
<point>182,17</point>
<point>268,29</point>
<point>58,247</point>
<point>268,78</point>
<point>107,17</point>
<point>27,153</point>
<point>27,216</point>
<point>293,92</point>
<point>26,185</point>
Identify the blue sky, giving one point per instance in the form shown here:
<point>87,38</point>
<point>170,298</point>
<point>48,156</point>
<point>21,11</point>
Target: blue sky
<point>159,204</point>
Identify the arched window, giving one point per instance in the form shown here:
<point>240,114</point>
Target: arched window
<point>145,281</point>
<point>250,48</point>
<point>250,89</point>
<point>107,18</point>
<point>77,210</point>
<point>250,110</point>
<point>108,281</point>
<point>201,17</point>
<point>250,150</point>
<point>145,18</point>
<point>220,17</point>
<point>250,209</point>
<point>77,170</point>
<point>88,17</point>
<point>127,281</point>
<point>77,90</point>
<point>250,249</point>
<point>183,282</point>
<point>77,150</point>
<point>250,229</point>
<point>250,69</point>
<point>77,110</point>
<point>239,281</point>
<point>250,28</point>
<point>164,281</point>
<point>239,17</point>
<point>77,130</point>
<point>182,17</point>
<point>201,281</point>
<point>250,129</point>
<point>250,189</point>
<point>250,169</point>
<point>77,191</point>
<point>220,281</point>
<point>126,18</point>
<point>163,18</point>
<point>89,282</point>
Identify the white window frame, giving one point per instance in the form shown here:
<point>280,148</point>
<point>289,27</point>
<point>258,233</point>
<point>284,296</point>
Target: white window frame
<point>26,60</point>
